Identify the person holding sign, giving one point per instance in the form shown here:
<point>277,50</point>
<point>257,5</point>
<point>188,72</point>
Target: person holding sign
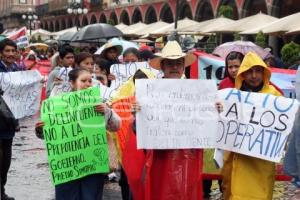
<point>253,76</point>
<point>8,52</point>
<point>78,155</point>
<point>56,76</point>
<point>172,174</point>
<point>110,53</point>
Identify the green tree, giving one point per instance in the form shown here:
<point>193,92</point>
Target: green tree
<point>111,22</point>
<point>39,39</point>
<point>237,36</point>
<point>290,53</point>
<point>33,40</point>
<point>260,39</point>
<point>226,11</point>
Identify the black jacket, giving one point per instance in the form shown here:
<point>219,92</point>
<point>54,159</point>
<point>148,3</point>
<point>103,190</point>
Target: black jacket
<point>8,123</point>
<point>13,68</point>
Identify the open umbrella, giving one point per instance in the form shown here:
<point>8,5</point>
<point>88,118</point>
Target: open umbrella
<point>245,24</point>
<point>208,25</point>
<point>2,37</point>
<point>279,26</point>
<point>121,27</point>
<point>67,36</point>
<point>97,31</point>
<point>116,41</point>
<point>240,46</point>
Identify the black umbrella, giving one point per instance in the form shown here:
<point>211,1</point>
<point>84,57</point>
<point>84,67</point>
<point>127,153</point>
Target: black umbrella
<point>97,31</point>
<point>67,36</point>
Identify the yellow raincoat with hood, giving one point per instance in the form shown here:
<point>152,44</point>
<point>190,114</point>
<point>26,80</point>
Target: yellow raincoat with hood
<point>245,177</point>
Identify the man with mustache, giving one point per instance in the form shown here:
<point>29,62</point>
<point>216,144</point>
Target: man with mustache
<point>8,53</point>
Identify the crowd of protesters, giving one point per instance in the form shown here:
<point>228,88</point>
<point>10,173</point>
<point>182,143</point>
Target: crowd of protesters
<point>244,72</point>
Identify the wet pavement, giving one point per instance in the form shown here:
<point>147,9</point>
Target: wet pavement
<point>29,177</point>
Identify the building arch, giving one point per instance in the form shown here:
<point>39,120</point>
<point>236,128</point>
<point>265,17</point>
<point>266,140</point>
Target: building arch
<point>46,26</point>
<point>113,19</point>
<point>85,21</point>
<point>166,14</point>
<point>136,16</point>
<point>184,10</point>
<point>150,16</point>
<point>204,11</point>
<point>93,19</point>
<point>51,27</point>
<point>282,8</point>
<point>56,28</point>
<point>63,25</point>
<point>103,18</point>
<point>70,23</point>
<point>232,3</point>
<point>253,7</point>
<point>77,22</point>
<point>124,17</point>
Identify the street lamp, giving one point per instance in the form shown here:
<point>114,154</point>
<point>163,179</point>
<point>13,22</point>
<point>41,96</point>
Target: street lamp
<point>31,17</point>
<point>76,8</point>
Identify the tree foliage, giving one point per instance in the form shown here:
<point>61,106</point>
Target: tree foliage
<point>290,53</point>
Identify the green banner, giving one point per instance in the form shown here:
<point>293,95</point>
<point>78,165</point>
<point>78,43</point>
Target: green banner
<point>75,135</point>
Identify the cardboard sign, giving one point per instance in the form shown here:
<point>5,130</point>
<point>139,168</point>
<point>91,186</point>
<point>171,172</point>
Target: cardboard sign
<point>255,124</point>
<point>176,113</point>
<point>22,92</point>
<point>75,135</point>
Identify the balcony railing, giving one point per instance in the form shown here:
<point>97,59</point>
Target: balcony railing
<point>122,3</point>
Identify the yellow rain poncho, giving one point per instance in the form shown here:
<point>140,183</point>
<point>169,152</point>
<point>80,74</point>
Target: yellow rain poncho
<point>245,177</point>
<point>125,90</point>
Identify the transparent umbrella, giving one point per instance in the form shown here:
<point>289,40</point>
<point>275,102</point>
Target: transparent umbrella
<point>240,46</point>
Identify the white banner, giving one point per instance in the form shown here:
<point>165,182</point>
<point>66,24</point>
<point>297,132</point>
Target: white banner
<point>176,113</point>
<point>22,92</point>
<point>255,124</point>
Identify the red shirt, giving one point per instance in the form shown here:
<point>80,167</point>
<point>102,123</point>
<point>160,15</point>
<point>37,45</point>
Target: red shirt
<point>226,83</point>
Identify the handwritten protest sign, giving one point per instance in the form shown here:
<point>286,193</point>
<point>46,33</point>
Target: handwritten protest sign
<point>75,135</point>
<point>255,124</point>
<point>123,72</point>
<point>22,92</point>
<point>176,114</point>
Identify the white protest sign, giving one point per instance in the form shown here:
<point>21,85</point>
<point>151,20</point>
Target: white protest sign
<point>64,73</point>
<point>61,88</point>
<point>255,124</point>
<point>176,113</point>
<point>22,92</point>
<point>66,87</point>
<point>123,72</point>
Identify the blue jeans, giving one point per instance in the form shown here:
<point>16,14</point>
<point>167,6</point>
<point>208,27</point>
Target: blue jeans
<point>86,188</point>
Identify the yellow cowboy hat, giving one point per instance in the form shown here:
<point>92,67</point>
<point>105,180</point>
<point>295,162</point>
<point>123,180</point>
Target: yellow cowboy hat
<point>172,51</point>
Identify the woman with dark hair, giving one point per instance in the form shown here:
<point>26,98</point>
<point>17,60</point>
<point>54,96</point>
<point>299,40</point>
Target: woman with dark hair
<point>232,64</point>
<point>89,187</point>
<point>131,55</point>
<point>110,53</point>
<point>85,60</point>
